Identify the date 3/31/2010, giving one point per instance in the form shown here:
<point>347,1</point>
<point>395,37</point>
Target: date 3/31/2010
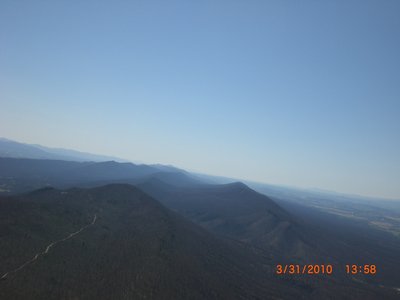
<point>316,269</point>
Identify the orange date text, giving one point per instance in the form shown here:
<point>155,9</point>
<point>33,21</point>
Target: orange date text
<point>313,269</point>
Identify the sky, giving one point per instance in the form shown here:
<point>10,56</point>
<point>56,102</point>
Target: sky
<point>299,93</point>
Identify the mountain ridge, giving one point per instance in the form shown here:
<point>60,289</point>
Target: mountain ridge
<point>168,256</point>
<point>14,149</point>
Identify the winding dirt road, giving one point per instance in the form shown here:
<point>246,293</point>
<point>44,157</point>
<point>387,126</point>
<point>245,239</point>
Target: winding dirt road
<point>49,247</point>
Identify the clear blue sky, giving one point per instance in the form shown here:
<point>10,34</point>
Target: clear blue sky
<point>301,93</point>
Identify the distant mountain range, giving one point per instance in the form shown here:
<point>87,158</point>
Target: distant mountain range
<point>9,148</point>
<point>160,230</point>
<point>23,174</point>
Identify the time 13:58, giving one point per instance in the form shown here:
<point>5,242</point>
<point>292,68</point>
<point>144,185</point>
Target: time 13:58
<point>361,269</point>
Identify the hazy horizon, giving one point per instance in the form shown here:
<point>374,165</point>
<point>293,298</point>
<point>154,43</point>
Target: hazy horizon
<point>307,188</point>
<point>298,94</point>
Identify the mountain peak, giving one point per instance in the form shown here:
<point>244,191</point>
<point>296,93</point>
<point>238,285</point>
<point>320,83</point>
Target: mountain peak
<point>238,184</point>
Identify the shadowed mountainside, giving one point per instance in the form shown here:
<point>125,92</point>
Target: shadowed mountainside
<point>236,211</point>
<point>251,226</point>
<point>136,249</point>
